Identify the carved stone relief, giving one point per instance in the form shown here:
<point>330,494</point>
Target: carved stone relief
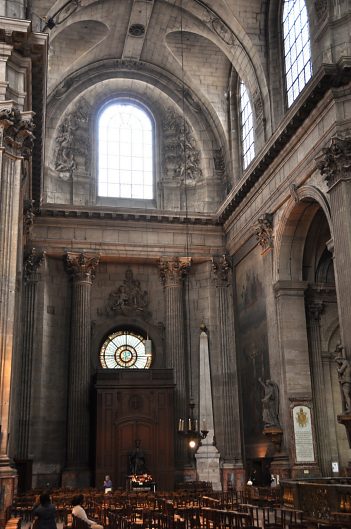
<point>264,231</point>
<point>16,131</point>
<point>128,298</point>
<point>71,141</point>
<point>335,161</point>
<point>181,157</point>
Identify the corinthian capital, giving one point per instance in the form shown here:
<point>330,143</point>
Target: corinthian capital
<point>173,269</point>
<point>221,269</point>
<point>16,130</point>
<point>335,161</point>
<point>82,266</point>
<point>32,260</point>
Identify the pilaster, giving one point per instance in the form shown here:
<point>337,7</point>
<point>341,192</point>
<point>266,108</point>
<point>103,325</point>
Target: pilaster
<point>32,262</point>
<point>314,311</point>
<point>172,273</point>
<point>335,164</point>
<point>232,456</point>
<point>82,268</point>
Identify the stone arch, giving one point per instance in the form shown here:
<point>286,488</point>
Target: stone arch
<point>292,231</point>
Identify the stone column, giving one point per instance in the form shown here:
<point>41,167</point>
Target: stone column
<point>15,142</point>
<point>232,456</point>
<point>172,272</point>
<point>82,268</point>
<point>314,311</point>
<point>335,163</point>
<point>32,262</point>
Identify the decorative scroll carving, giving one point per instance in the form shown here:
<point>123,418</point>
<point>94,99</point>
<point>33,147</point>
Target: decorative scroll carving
<point>181,157</point>
<point>173,269</point>
<point>321,7</point>
<point>221,267</point>
<point>264,231</point>
<point>218,160</point>
<point>28,215</point>
<point>16,131</point>
<point>71,140</point>
<point>293,192</point>
<point>32,260</point>
<point>82,266</point>
<point>258,104</point>
<point>129,298</point>
<point>335,161</point>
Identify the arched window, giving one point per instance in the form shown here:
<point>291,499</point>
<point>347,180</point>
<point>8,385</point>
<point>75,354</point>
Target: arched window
<point>246,126</point>
<point>297,49</point>
<point>125,163</point>
<point>125,350</point>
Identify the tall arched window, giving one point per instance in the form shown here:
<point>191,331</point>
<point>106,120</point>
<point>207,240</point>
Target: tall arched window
<point>297,49</point>
<point>125,163</point>
<point>246,126</point>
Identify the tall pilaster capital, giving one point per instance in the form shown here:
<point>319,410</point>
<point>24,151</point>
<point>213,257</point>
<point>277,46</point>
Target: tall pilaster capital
<point>173,270</point>
<point>264,231</point>
<point>16,130</point>
<point>335,161</point>
<point>32,260</point>
<point>315,310</point>
<point>82,266</point>
<point>221,267</point>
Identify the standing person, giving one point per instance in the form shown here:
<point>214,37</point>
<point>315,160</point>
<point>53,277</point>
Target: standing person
<point>79,512</point>
<point>45,513</point>
<point>107,484</point>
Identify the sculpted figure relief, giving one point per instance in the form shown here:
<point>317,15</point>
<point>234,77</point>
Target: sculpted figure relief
<point>270,403</point>
<point>344,376</point>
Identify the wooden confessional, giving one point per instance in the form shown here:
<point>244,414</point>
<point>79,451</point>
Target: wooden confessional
<point>131,405</point>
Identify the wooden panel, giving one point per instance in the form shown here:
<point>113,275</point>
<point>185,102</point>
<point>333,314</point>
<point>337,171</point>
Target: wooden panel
<point>132,413</point>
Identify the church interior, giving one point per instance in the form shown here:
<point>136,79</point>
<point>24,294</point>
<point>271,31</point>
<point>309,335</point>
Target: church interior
<point>175,242</point>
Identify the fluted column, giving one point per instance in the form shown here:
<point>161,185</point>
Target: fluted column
<point>32,262</point>
<point>82,269</point>
<point>314,310</point>
<point>232,456</point>
<point>172,272</point>
<point>15,143</point>
<point>335,164</point>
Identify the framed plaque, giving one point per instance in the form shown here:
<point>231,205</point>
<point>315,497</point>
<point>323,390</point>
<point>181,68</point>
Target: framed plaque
<point>303,434</point>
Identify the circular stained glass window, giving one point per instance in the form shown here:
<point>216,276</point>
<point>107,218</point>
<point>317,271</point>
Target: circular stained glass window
<point>124,349</point>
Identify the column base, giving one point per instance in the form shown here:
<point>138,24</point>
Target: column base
<point>280,467</point>
<point>76,478</point>
<point>233,476</point>
<point>8,490</point>
<point>207,466</point>
<point>345,419</point>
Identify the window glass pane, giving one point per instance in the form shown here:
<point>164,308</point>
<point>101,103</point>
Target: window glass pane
<point>125,350</point>
<point>297,49</point>
<point>125,152</point>
<point>246,124</point>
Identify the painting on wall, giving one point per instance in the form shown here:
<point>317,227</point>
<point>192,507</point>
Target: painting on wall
<point>252,344</point>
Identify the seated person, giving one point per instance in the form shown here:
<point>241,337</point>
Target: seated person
<point>107,484</point>
<point>79,512</point>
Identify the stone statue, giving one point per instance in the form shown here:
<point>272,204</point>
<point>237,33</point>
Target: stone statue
<point>344,376</point>
<point>270,403</point>
<point>137,460</point>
